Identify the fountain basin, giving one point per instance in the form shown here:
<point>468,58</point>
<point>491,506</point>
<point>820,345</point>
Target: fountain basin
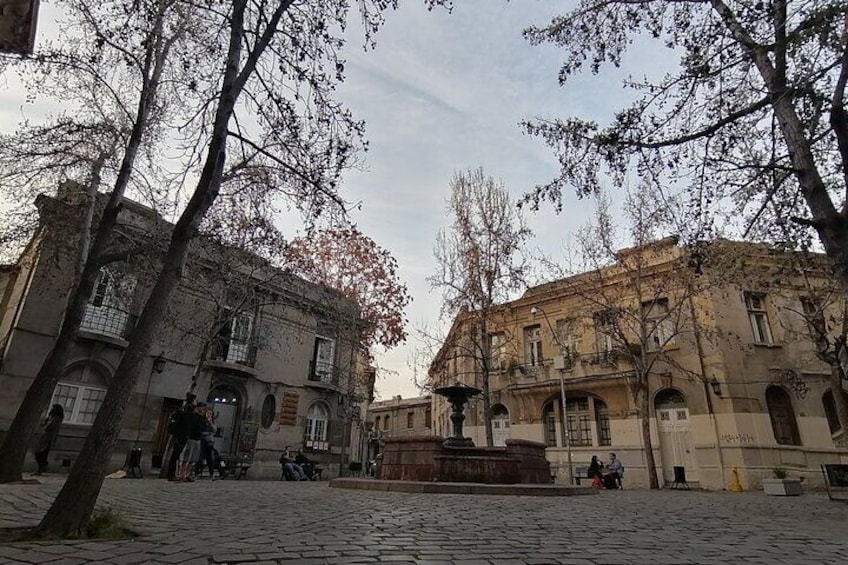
<point>429,459</point>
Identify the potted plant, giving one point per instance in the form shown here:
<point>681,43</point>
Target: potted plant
<point>780,485</point>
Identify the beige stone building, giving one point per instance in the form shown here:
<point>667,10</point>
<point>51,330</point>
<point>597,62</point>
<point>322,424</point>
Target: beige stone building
<point>398,417</point>
<point>721,335</point>
<point>275,357</point>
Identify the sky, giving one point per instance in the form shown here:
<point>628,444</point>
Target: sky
<point>446,92</point>
<point>443,92</point>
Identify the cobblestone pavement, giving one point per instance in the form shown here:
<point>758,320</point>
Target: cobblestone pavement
<point>309,523</point>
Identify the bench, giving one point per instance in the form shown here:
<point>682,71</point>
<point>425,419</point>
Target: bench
<point>236,467</point>
<point>580,473</point>
<point>836,480</point>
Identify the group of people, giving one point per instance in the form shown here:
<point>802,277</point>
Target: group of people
<point>610,479</point>
<point>297,467</point>
<point>193,431</point>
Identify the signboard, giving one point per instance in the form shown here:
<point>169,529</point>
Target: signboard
<point>17,26</point>
<point>288,408</point>
<point>247,439</point>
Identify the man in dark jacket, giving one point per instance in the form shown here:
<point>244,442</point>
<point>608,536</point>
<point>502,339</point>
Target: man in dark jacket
<point>178,428</point>
<point>190,456</point>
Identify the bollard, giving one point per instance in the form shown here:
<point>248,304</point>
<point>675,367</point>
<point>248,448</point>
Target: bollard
<point>735,485</point>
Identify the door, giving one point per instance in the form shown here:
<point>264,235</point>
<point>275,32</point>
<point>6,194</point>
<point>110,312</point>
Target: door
<point>675,433</point>
<point>169,406</point>
<point>500,431</point>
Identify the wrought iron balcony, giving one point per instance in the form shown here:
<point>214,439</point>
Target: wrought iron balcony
<point>322,372</point>
<point>107,321</point>
<point>236,351</point>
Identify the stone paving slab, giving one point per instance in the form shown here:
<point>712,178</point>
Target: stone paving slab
<point>305,523</point>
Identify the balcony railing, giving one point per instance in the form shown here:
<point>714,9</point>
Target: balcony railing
<point>108,321</point>
<point>237,351</point>
<point>322,372</point>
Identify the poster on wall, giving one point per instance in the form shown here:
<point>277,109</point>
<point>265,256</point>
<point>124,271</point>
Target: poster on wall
<point>288,408</point>
<point>247,439</point>
<point>17,26</point>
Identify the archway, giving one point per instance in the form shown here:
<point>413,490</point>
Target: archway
<point>226,402</point>
<point>500,425</point>
<point>674,429</point>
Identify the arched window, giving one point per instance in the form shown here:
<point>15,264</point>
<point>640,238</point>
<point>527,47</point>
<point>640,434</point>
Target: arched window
<point>603,422</point>
<point>81,392</point>
<point>386,423</point>
<point>782,416</point>
<point>316,422</point>
<point>549,422</point>
<point>377,423</point>
<point>831,413</point>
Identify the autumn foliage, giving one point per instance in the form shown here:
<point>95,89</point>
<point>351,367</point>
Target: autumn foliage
<point>352,263</point>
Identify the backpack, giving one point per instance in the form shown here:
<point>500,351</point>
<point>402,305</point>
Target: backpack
<point>175,423</point>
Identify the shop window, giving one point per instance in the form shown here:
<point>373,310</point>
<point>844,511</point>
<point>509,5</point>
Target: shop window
<point>782,416</point>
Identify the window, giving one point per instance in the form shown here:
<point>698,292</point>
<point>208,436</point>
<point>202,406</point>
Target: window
<point>81,403</point>
<point>830,412</point>
<point>533,346</point>
<point>108,310</point>
<point>565,337</point>
<point>316,427</point>
<point>235,336</point>
<point>377,423</point>
<point>782,416</point>
<point>549,420</point>
<point>323,360</point>
<point>814,317</point>
<point>269,410</point>
<point>410,419</point>
<point>579,421</point>
<point>603,423</point>
<point>386,423</point>
<point>428,418</point>
<point>756,305</point>
<point>660,333</point>
<point>605,322</point>
<point>497,354</point>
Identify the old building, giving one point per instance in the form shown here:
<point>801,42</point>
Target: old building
<point>399,417</point>
<point>276,357</point>
<point>722,335</point>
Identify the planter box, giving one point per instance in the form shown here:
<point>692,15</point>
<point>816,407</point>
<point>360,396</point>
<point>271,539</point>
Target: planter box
<point>782,487</point>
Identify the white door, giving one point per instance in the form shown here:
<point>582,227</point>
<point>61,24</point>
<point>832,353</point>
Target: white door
<point>500,431</point>
<point>675,432</point>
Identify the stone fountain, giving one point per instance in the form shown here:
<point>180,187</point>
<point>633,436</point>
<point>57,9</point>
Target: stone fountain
<point>457,460</point>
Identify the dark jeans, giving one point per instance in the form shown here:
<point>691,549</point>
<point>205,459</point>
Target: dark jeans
<point>177,446</point>
<point>41,458</point>
<point>207,455</point>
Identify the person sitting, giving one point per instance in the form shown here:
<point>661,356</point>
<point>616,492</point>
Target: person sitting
<point>306,464</point>
<point>291,470</point>
<point>616,470</point>
<point>594,471</point>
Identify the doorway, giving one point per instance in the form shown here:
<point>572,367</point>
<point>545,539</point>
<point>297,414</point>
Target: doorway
<point>500,425</point>
<point>160,443</point>
<point>225,402</point>
<point>674,429</point>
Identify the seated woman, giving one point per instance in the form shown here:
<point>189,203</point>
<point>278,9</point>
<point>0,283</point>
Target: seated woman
<point>291,470</point>
<point>594,471</point>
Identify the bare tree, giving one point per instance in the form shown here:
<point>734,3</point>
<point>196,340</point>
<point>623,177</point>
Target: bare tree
<point>140,43</point>
<point>754,115</point>
<point>280,65</point>
<point>480,262</point>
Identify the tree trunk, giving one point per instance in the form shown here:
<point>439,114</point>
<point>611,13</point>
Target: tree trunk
<point>14,447</point>
<point>643,401</point>
<point>487,400</point>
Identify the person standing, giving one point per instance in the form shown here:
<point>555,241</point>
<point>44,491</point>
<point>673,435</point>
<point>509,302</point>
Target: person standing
<point>191,452</point>
<point>49,433</point>
<point>178,428</point>
<point>207,444</point>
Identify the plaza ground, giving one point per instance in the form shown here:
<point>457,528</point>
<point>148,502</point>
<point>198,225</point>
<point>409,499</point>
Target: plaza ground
<point>309,523</point>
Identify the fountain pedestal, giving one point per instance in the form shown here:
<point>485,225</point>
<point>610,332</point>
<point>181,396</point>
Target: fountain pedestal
<point>458,396</point>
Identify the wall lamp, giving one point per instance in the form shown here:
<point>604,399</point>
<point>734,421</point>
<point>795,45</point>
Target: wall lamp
<point>716,386</point>
<point>159,363</point>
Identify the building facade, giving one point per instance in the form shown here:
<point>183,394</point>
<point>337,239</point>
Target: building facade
<point>712,350</point>
<point>276,357</point>
<point>398,417</point>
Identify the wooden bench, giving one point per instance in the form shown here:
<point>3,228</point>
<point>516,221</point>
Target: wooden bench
<point>836,481</point>
<point>236,467</point>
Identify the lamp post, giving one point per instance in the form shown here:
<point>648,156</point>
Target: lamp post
<point>565,435</point>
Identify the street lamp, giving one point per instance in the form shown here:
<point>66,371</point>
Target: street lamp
<point>565,435</point>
